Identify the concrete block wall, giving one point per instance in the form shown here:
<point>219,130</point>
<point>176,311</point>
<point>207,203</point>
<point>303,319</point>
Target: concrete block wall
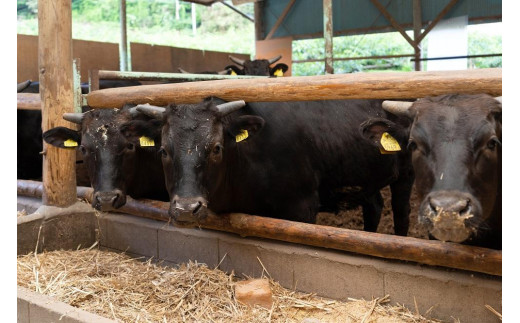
<point>328,273</point>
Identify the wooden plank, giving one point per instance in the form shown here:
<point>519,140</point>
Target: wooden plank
<point>56,90</point>
<point>392,85</point>
<point>29,101</point>
<point>430,252</point>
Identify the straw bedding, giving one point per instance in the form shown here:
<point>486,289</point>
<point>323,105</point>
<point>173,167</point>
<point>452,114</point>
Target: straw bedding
<point>116,286</point>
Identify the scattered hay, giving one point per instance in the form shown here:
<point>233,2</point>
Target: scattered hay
<point>116,286</point>
<point>21,213</point>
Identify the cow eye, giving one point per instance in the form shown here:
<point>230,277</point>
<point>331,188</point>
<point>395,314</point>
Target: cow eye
<point>412,145</point>
<point>83,150</point>
<point>163,152</point>
<point>217,149</point>
<point>130,146</point>
<point>493,143</point>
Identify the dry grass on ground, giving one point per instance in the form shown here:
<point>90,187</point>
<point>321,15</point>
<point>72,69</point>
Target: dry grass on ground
<point>116,286</point>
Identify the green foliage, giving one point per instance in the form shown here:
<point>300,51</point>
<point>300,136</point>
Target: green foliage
<point>221,29</point>
<point>353,46</point>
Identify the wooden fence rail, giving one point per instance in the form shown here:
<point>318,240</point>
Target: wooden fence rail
<point>434,253</point>
<point>395,85</point>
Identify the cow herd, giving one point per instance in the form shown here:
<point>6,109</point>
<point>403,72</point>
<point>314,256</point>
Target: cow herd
<point>291,160</point>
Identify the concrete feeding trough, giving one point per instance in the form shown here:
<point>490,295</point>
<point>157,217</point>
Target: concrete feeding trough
<point>329,273</point>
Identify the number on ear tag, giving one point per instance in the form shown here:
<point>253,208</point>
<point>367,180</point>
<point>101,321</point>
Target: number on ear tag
<point>278,72</point>
<point>70,143</point>
<point>242,135</point>
<point>390,145</point>
<point>146,142</point>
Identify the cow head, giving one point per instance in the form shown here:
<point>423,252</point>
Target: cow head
<point>196,141</point>
<point>109,150</point>
<point>455,143</point>
<point>257,67</point>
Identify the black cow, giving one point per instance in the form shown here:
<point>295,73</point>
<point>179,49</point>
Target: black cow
<point>29,133</point>
<point>223,72</point>
<point>279,159</point>
<point>257,67</point>
<point>455,142</point>
<point>118,163</point>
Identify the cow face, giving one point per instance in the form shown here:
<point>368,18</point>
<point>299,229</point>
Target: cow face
<point>455,142</point>
<point>259,67</point>
<point>109,151</point>
<point>197,139</point>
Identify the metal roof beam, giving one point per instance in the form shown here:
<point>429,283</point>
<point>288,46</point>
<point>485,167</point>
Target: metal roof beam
<point>394,23</point>
<point>280,19</point>
<point>237,11</point>
<point>436,20</point>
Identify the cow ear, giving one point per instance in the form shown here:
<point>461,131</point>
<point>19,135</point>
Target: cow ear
<point>245,127</point>
<point>235,70</point>
<point>278,69</point>
<point>62,137</point>
<point>374,128</point>
<point>135,130</point>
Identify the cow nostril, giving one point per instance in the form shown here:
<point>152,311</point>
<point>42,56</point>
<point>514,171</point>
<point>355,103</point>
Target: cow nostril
<point>467,208</point>
<point>197,208</point>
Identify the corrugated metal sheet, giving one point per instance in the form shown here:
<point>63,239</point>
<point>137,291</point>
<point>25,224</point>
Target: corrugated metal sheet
<point>305,20</point>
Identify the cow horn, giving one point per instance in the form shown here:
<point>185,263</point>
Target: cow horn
<point>74,117</point>
<point>224,72</point>
<point>22,86</point>
<point>151,110</point>
<point>499,99</point>
<point>183,71</point>
<point>237,60</point>
<point>227,108</point>
<point>401,108</point>
<point>274,59</point>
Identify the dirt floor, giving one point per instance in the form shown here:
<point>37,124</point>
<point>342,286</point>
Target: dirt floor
<point>353,219</point>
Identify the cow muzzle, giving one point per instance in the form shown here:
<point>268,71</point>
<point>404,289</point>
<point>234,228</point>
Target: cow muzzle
<point>188,210</point>
<point>108,201</point>
<point>450,215</point>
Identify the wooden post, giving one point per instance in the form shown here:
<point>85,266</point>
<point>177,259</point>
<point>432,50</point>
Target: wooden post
<point>417,25</point>
<point>57,97</point>
<point>259,21</point>
<point>123,44</point>
<point>328,33</point>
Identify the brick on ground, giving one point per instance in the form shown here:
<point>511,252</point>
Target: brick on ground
<point>254,292</point>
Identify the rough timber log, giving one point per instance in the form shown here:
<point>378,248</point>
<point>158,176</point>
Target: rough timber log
<point>434,253</point>
<point>395,85</point>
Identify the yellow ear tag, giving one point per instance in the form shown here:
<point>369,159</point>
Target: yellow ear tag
<point>242,135</point>
<point>146,142</point>
<point>233,73</point>
<point>390,145</point>
<point>70,143</point>
<point>278,72</point>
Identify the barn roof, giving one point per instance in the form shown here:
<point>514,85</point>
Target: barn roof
<point>352,17</point>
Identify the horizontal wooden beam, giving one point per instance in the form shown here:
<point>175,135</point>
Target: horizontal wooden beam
<point>29,101</point>
<point>428,252</point>
<point>393,85</point>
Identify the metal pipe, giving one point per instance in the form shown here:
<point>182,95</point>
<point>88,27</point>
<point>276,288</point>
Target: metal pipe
<point>351,58</point>
<point>386,246</point>
<point>456,57</point>
<point>123,45</point>
<point>328,35</point>
<point>180,77</point>
<point>237,11</point>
